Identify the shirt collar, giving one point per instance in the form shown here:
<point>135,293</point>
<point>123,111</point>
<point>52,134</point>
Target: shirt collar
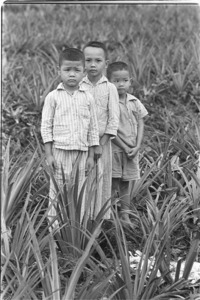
<point>129,97</point>
<point>61,87</point>
<point>101,80</point>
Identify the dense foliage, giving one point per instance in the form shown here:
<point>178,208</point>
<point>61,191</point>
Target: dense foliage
<point>161,45</point>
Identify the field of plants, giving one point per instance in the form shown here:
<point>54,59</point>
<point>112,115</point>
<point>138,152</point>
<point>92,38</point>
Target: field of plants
<point>100,261</point>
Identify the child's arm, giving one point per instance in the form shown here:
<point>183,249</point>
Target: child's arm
<point>49,155</point>
<point>118,142</point>
<point>113,111</point>
<point>47,129</point>
<point>93,134</point>
<point>90,160</point>
<point>113,120</point>
<point>140,132</point>
<point>98,149</point>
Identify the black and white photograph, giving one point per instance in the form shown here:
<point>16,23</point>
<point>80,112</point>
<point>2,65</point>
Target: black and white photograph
<point>100,150</point>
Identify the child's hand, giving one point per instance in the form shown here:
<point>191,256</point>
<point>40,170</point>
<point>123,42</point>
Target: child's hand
<point>89,165</point>
<point>133,152</point>
<point>51,162</point>
<point>98,152</point>
<point>127,151</point>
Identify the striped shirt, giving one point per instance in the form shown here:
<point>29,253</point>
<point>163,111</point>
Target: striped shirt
<point>130,112</point>
<point>70,120</point>
<point>107,104</point>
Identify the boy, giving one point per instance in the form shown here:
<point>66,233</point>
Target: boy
<point>69,126</point>
<point>126,145</point>
<point>107,108</point>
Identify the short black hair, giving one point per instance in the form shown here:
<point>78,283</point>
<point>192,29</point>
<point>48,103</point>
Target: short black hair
<point>97,44</point>
<point>71,54</point>
<point>116,66</point>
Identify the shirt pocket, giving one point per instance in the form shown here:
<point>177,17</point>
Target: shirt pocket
<point>84,112</point>
<point>64,114</point>
<point>84,115</point>
<point>102,101</point>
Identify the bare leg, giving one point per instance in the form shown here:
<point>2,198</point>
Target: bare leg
<point>115,186</point>
<point>125,200</point>
<point>115,190</point>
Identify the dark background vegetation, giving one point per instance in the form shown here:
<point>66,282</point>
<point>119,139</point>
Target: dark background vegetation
<point>160,43</point>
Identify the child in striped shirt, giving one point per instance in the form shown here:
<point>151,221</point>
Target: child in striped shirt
<point>107,108</point>
<point>69,125</point>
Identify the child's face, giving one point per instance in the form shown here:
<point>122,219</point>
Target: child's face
<point>121,79</point>
<point>71,73</point>
<point>95,62</point>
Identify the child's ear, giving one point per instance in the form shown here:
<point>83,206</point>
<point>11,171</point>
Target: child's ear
<point>131,80</point>
<point>106,65</point>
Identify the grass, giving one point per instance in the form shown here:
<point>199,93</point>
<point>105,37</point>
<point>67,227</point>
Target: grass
<point>92,261</point>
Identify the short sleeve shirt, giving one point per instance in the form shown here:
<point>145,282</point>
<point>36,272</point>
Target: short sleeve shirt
<point>130,112</point>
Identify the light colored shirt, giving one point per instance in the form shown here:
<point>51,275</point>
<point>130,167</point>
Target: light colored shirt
<point>70,121</point>
<point>107,104</point>
<point>130,112</point>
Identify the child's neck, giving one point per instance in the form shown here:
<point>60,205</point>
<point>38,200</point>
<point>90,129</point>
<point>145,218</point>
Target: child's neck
<point>122,97</point>
<point>94,80</point>
<point>70,89</point>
